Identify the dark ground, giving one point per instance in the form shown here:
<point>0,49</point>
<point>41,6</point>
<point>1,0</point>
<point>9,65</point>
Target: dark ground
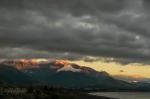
<point>45,93</point>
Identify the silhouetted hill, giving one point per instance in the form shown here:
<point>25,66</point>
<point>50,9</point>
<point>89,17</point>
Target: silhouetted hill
<point>12,76</point>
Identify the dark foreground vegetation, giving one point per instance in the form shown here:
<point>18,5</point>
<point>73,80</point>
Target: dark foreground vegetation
<point>44,93</point>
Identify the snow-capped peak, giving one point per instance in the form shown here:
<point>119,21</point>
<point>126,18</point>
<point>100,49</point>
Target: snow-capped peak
<point>68,68</point>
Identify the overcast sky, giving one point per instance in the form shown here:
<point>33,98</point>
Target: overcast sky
<point>74,29</point>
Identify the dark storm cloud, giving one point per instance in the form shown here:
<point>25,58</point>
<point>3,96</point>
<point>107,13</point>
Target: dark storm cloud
<point>117,29</point>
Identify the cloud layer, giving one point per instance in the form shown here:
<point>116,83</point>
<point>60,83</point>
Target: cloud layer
<point>103,28</point>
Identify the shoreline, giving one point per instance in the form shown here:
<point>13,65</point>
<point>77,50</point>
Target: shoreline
<point>100,97</point>
<point>44,93</point>
<point>55,96</point>
<point>81,95</point>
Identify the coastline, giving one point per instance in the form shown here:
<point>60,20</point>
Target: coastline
<point>90,96</point>
<point>54,96</point>
<point>99,97</point>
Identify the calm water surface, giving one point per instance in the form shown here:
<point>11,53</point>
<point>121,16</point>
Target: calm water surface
<point>124,95</point>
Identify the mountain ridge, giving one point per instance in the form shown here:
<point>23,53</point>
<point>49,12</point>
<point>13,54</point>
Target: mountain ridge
<point>60,73</point>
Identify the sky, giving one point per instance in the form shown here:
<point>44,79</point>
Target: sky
<point>111,35</point>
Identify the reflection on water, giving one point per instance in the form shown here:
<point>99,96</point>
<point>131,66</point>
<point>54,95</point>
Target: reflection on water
<point>124,95</point>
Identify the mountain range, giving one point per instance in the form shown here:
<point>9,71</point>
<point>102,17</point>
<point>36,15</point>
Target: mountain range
<point>60,73</point>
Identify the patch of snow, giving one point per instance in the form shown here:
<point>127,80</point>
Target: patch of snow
<point>69,68</point>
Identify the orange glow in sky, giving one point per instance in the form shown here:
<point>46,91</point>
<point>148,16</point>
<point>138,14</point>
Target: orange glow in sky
<point>134,70</point>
